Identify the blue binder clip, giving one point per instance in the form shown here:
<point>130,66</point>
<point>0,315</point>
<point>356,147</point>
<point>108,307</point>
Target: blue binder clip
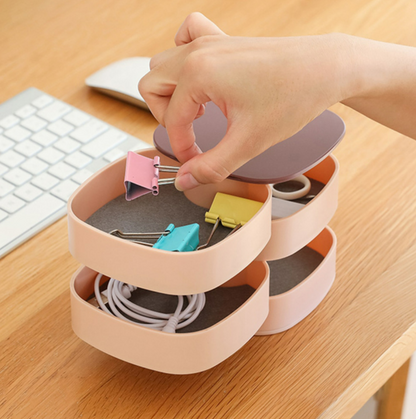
<point>138,237</point>
<point>173,239</point>
<point>180,239</point>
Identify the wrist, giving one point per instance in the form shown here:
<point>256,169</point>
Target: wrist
<point>351,74</point>
<point>376,69</point>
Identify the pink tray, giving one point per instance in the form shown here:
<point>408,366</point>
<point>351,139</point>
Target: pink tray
<point>193,272</point>
<point>289,308</point>
<point>181,353</point>
<point>291,233</point>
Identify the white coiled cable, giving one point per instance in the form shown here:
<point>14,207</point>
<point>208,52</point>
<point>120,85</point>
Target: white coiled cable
<point>118,294</point>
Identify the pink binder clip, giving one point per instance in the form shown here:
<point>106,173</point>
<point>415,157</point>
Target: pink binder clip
<point>142,175</point>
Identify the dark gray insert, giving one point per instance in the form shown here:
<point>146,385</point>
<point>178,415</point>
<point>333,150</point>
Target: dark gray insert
<point>151,213</point>
<point>154,213</point>
<point>286,273</point>
<point>220,303</point>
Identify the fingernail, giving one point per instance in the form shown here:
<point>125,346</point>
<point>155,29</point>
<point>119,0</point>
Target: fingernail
<point>185,182</point>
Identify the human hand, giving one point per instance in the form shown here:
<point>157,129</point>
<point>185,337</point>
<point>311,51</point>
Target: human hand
<point>268,89</point>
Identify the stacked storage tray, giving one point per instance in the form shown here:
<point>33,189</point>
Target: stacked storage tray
<point>262,279</point>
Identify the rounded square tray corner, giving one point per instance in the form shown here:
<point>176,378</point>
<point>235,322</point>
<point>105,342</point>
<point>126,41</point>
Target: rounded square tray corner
<point>290,234</point>
<point>157,270</point>
<point>289,308</point>
<point>177,353</point>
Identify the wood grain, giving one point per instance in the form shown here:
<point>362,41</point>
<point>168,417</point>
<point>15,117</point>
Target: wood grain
<point>325,367</point>
<point>391,395</point>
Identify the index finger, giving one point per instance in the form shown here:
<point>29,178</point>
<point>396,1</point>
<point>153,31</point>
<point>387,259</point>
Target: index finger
<point>182,110</point>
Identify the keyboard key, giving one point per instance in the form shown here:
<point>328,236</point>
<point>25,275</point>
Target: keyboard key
<point>65,189</point>
<point>51,155</point>
<point>62,170</point>
<point>3,215</point>
<point>60,128</point>
<point>11,204</point>
<point>82,176</point>
<point>89,131</point>
<point>77,118</point>
<point>44,138</point>
<point>114,155</point>
<point>17,133</point>
<point>3,169</point>
<point>11,158</point>
<point>5,188</point>
<point>45,181</point>
<point>42,101</point>
<point>27,218</point>
<point>5,144</point>
<point>78,160</point>
<point>28,148</point>
<point>67,145</point>
<point>17,176</point>
<point>42,162</point>
<point>54,111</point>
<point>104,143</point>
<point>34,166</point>
<point>34,123</point>
<point>9,121</point>
<point>28,192</point>
<point>26,111</point>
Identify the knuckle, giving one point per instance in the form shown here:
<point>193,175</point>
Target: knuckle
<point>193,19</point>
<point>153,62</point>
<point>198,62</point>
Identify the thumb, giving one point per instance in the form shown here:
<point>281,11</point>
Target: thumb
<point>195,26</point>
<point>216,164</point>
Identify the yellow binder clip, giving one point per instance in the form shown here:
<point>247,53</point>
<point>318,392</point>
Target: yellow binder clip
<point>231,210</point>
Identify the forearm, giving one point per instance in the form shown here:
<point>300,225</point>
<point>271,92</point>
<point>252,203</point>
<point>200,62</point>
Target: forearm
<point>383,83</point>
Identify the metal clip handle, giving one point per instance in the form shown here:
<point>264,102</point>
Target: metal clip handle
<point>135,236</point>
<point>214,229</point>
<point>167,181</point>
<point>170,169</point>
<point>203,246</point>
<point>158,166</point>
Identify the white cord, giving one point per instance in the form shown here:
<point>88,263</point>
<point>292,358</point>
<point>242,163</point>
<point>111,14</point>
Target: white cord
<point>118,294</point>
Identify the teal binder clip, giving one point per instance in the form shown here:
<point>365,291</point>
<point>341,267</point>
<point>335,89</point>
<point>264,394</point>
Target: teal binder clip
<point>173,239</point>
<point>180,239</point>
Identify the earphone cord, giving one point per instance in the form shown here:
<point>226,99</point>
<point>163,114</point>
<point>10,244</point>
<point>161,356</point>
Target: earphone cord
<point>118,294</point>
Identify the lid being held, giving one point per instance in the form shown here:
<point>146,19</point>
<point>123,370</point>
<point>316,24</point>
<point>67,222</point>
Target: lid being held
<point>280,163</point>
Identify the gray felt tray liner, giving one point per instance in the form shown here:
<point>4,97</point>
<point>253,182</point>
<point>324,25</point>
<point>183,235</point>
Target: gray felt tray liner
<point>220,303</point>
<point>288,272</point>
<point>285,274</point>
<point>154,213</point>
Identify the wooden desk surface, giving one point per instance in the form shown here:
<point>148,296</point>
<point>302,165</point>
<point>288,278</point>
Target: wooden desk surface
<point>329,364</point>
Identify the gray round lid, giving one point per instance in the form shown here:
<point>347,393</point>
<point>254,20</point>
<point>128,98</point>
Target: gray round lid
<point>280,163</point>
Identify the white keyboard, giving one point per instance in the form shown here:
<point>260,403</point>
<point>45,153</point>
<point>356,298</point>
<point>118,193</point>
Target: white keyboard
<point>47,149</point>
